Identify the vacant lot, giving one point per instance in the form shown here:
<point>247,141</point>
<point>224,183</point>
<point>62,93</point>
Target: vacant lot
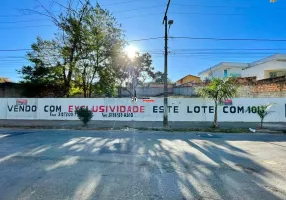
<point>65,164</point>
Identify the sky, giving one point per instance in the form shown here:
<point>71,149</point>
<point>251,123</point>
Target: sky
<point>142,19</point>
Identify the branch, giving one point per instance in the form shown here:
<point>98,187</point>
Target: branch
<point>50,14</point>
<point>69,8</point>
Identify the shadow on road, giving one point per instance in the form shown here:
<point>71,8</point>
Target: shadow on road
<point>134,165</point>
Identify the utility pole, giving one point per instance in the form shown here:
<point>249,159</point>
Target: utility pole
<point>165,22</point>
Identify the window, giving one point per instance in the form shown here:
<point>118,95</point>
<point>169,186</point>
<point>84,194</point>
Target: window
<point>273,74</point>
<point>225,73</point>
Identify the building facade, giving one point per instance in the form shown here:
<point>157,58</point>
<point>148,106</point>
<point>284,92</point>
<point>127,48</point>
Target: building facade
<point>188,79</point>
<point>269,67</point>
<point>223,70</point>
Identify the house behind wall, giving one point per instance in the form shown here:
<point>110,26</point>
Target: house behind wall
<point>10,90</point>
<point>265,68</point>
<point>272,87</point>
<point>249,87</point>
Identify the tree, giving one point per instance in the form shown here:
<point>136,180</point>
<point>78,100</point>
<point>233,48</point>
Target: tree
<point>130,73</point>
<point>79,55</point>
<point>39,82</point>
<point>104,40</point>
<point>84,115</point>
<point>262,112</point>
<point>42,78</point>
<point>159,78</point>
<point>218,90</point>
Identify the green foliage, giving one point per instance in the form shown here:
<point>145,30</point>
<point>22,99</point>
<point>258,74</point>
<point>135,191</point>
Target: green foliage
<point>263,111</point>
<point>82,58</point>
<point>159,78</point>
<point>84,115</point>
<point>129,73</point>
<point>39,81</point>
<point>218,90</point>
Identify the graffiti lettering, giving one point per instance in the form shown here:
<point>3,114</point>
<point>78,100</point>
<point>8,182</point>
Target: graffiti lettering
<point>198,109</point>
<point>22,108</point>
<point>160,109</point>
<point>53,108</point>
<point>65,114</point>
<point>117,109</point>
<point>117,114</point>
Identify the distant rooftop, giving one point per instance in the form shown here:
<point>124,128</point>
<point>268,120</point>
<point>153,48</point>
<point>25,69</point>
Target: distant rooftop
<point>187,76</point>
<point>226,64</point>
<point>275,57</point>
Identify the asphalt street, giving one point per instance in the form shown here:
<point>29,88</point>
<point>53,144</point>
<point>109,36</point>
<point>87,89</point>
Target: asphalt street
<point>130,164</point>
<point>95,124</point>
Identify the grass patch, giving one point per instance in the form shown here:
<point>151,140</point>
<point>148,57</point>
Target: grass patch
<point>213,130</point>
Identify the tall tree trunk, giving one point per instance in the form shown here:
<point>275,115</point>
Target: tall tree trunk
<point>119,92</point>
<point>261,123</point>
<point>67,89</point>
<point>215,116</point>
<point>84,85</point>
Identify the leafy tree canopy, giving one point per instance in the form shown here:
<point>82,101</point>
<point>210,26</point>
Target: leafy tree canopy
<point>85,57</point>
<point>218,90</point>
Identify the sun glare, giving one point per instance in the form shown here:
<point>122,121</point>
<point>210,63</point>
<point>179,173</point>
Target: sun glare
<point>131,51</point>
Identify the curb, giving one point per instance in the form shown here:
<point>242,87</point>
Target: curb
<point>207,130</point>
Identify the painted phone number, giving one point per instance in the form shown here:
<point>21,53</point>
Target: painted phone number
<point>117,114</point>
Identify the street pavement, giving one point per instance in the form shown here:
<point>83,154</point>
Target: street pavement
<point>95,125</point>
<point>131,164</point>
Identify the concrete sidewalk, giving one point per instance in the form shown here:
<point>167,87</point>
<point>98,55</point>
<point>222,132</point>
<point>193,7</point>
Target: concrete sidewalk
<point>134,124</point>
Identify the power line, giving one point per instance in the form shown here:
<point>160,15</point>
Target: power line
<point>119,11</point>
<point>220,14</point>
<point>222,6</point>
<point>18,15</point>
<point>217,55</point>
<point>141,8</point>
<point>123,2</point>
<point>29,49</point>
<point>230,39</point>
<point>222,53</point>
<point>223,57</point>
<point>2,50</point>
<point>145,39</point>
<point>36,26</point>
<point>127,17</point>
<point>254,49</point>
<point>173,53</point>
<point>14,22</point>
<point>136,16</point>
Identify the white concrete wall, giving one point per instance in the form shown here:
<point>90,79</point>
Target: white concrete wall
<point>204,76</point>
<point>234,72</point>
<point>219,73</point>
<point>147,92</point>
<point>186,91</point>
<point>258,71</point>
<point>109,109</point>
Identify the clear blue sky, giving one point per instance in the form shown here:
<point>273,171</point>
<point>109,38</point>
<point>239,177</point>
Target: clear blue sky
<point>192,18</point>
